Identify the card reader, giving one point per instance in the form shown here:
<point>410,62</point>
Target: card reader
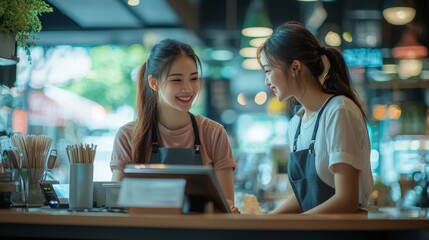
<point>51,196</point>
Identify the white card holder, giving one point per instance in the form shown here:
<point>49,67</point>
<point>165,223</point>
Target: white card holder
<point>152,194</point>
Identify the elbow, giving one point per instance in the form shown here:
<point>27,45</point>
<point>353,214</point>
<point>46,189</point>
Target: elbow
<point>346,204</point>
<point>351,205</point>
<point>353,208</point>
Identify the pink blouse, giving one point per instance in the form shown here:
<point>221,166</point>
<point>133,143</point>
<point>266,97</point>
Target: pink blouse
<point>215,146</point>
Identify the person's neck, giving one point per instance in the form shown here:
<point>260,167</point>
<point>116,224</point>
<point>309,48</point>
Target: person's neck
<point>312,102</point>
<point>172,119</point>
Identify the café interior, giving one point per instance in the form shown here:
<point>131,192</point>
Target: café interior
<point>79,87</point>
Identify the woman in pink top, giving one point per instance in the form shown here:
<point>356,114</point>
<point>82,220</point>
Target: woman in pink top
<point>165,131</point>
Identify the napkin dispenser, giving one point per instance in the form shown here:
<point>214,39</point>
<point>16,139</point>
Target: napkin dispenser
<point>106,194</point>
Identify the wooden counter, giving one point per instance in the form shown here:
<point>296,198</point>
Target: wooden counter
<point>62,224</point>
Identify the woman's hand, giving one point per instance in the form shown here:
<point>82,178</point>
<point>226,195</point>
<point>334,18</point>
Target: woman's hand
<point>232,207</point>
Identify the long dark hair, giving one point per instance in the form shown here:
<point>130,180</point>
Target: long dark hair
<point>158,64</point>
<point>292,41</point>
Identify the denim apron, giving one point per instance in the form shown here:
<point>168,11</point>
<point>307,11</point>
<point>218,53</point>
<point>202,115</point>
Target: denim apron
<point>178,156</point>
<point>309,189</point>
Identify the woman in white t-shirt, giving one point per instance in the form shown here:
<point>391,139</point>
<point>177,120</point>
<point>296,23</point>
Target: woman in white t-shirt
<point>329,167</point>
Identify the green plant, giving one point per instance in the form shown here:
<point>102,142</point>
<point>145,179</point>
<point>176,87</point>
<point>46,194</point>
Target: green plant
<point>21,17</point>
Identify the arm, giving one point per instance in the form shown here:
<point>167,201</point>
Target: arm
<point>290,205</point>
<point>348,148</point>
<point>121,153</point>
<point>220,151</point>
<point>226,181</point>
<point>117,175</point>
<point>225,178</point>
<point>346,197</point>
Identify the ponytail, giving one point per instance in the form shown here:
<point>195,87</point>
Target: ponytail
<point>337,81</point>
<point>146,105</point>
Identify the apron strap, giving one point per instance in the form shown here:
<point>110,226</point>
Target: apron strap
<point>155,138</point>
<point>298,131</point>
<point>197,144</point>
<point>313,137</point>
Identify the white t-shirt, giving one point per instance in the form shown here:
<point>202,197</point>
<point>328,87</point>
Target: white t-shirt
<point>342,137</point>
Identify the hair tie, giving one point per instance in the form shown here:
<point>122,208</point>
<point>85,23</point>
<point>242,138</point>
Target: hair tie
<point>322,51</point>
<point>326,67</point>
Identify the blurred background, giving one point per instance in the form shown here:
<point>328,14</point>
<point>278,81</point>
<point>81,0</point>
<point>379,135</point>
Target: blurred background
<point>80,85</point>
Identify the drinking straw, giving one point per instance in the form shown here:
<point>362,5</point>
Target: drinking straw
<point>81,153</point>
<point>34,149</point>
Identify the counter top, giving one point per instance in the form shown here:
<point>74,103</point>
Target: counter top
<point>376,221</point>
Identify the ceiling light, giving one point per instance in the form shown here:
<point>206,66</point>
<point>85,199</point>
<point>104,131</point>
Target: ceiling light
<point>251,64</point>
<point>333,39</point>
<point>398,12</point>
<point>261,98</point>
<point>257,42</point>
<point>394,112</point>
<point>249,46</point>
<point>257,23</point>
<point>347,37</point>
<point>133,2</point>
<point>248,52</point>
<point>409,47</point>
<point>241,99</point>
<point>409,68</point>
<point>399,15</point>
<point>379,112</point>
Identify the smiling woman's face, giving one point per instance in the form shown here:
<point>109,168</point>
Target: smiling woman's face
<point>181,85</point>
<point>282,85</point>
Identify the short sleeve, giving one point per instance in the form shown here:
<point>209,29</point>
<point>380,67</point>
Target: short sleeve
<point>222,152</point>
<point>121,154</point>
<point>345,137</point>
<point>216,148</point>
